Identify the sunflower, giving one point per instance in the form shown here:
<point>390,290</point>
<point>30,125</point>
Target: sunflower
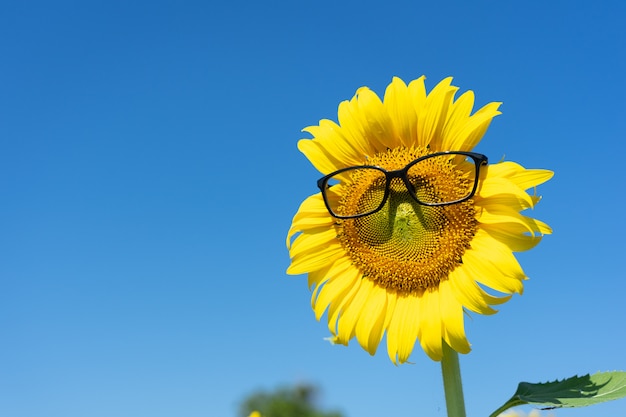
<point>411,229</point>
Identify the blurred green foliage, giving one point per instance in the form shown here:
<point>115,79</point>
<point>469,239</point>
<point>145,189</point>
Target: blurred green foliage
<point>298,401</point>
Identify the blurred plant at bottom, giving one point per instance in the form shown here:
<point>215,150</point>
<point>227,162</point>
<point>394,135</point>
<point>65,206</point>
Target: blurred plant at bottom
<point>297,401</point>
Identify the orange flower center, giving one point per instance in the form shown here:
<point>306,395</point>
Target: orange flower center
<point>406,246</point>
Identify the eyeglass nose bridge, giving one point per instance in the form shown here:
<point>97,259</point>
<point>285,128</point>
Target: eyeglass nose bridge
<point>402,175</point>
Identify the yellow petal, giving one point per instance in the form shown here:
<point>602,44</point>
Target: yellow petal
<point>520,176</point>
<point>329,136</point>
<point>458,115</point>
<point>352,311</point>
<point>369,328</point>
<point>531,178</point>
<point>376,124</point>
<point>513,235</point>
<point>492,186</point>
<point>417,93</point>
<point>500,270</point>
<point>319,156</point>
<point>311,242</point>
<point>316,278</point>
<point>311,214</point>
<point>433,116</point>
<point>465,136</point>
<point>430,324</point>
<point>468,293</point>
<point>487,217</point>
<point>351,124</point>
<point>403,328</point>
<point>499,215</point>
<point>512,202</point>
<point>336,134</point>
<point>309,223</point>
<point>342,279</point>
<point>312,261</point>
<point>452,318</point>
<point>402,114</point>
<point>336,308</point>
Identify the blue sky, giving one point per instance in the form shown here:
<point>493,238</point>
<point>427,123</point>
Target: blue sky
<point>149,173</point>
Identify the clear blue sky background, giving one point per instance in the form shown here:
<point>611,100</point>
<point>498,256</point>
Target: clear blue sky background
<point>149,173</point>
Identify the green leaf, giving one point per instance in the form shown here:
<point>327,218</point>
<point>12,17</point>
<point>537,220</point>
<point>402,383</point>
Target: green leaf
<point>577,391</point>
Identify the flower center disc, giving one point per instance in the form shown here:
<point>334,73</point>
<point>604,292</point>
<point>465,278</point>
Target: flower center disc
<point>406,246</point>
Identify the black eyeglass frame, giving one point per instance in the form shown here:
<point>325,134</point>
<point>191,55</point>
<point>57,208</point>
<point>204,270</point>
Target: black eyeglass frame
<point>479,160</point>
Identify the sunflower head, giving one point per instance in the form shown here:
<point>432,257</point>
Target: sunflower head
<point>410,227</point>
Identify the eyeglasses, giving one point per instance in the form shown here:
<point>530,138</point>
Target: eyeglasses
<point>438,179</point>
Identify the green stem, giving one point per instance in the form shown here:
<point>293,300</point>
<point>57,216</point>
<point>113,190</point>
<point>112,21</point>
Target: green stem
<point>452,382</point>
